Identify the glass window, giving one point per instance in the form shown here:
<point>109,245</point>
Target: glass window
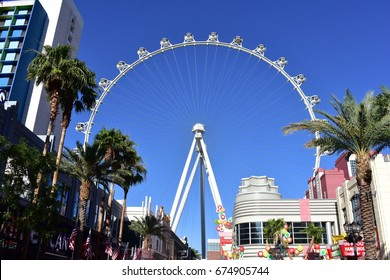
<point>7,22</point>
<point>356,209</point>
<point>23,12</point>
<point>20,21</point>
<point>353,167</point>
<point>17,33</point>
<point>13,44</point>
<point>4,81</point>
<point>6,69</point>
<point>249,233</point>
<point>3,33</point>
<point>75,205</point>
<point>2,45</point>
<point>10,56</point>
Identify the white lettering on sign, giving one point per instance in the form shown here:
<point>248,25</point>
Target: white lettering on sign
<point>61,243</point>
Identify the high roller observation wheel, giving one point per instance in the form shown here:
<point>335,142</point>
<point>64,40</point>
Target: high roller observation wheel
<point>213,40</point>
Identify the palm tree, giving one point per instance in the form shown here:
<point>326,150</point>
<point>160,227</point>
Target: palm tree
<point>136,175</point>
<point>78,94</point>
<point>148,226</point>
<point>119,148</point>
<point>62,77</point>
<point>357,128</point>
<point>195,254</point>
<point>316,236</point>
<point>272,230</point>
<point>86,164</point>
<point>49,68</point>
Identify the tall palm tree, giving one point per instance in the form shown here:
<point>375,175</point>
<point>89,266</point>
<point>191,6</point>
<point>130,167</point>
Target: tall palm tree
<point>78,93</point>
<point>136,175</point>
<point>49,68</point>
<point>86,164</point>
<point>148,226</point>
<point>357,128</point>
<point>316,236</point>
<point>62,77</point>
<point>119,148</point>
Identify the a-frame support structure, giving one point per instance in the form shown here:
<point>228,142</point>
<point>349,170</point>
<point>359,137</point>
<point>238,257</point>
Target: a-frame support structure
<point>203,161</point>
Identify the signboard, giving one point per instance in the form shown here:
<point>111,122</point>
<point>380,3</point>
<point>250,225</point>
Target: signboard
<point>347,249</point>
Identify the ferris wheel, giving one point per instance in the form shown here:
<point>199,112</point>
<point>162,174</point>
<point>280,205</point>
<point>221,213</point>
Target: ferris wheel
<point>174,74</point>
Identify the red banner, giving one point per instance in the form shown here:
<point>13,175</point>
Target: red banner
<point>347,249</point>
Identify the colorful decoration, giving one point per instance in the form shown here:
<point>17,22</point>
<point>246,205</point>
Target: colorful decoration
<point>276,252</point>
<point>224,227</point>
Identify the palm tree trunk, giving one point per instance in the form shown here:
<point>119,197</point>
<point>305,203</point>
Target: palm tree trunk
<point>364,178</point>
<point>58,160</point>
<point>109,204</point>
<point>80,233</point>
<point>100,225</point>
<point>122,219</point>
<point>368,222</point>
<point>309,248</point>
<point>85,190</point>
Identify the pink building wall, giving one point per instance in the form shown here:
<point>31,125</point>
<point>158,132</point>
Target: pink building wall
<point>330,179</point>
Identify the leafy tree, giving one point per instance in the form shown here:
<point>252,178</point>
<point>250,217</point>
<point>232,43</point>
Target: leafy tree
<point>358,128</point>
<point>22,165</point>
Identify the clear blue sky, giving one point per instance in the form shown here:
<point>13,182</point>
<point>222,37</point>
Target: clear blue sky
<point>243,104</point>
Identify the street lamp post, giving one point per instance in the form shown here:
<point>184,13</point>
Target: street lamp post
<point>353,229</point>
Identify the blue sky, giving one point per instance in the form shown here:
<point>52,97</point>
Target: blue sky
<point>241,101</point>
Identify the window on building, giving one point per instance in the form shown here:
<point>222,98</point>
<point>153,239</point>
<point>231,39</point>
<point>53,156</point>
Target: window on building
<point>250,233</point>
<point>7,22</point>
<point>215,247</point>
<point>10,56</point>
<point>355,202</point>
<point>7,69</point>
<point>4,81</point>
<point>114,225</point>
<point>62,198</point>
<point>96,218</point>
<point>14,44</point>
<point>353,167</point>
<point>87,213</point>
<point>2,44</point>
<point>23,12</point>
<point>17,33</point>
<point>256,233</point>
<point>75,205</point>
<point>3,33</point>
<point>21,21</point>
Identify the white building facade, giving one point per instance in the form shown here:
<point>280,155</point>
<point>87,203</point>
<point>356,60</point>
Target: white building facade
<point>258,200</point>
<point>348,202</point>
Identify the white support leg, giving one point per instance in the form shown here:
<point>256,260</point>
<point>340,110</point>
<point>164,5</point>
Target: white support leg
<point>182,180</point>
<point>185,195</point>
<point>198,129</point>
<point>210,175</point>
